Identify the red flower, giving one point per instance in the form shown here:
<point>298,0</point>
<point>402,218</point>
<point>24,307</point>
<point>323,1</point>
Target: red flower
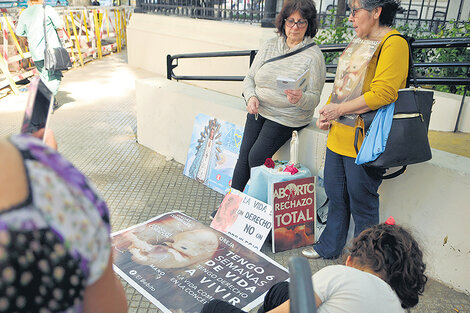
<point>269,163</point>
<point>292,169</point>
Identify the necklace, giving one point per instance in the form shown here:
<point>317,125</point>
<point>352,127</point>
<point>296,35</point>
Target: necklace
<point>380,33</point>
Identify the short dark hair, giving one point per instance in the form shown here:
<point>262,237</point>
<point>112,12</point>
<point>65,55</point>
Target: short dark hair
<point>306,8</point>
<point>389,9</point>
<point>392,253</point>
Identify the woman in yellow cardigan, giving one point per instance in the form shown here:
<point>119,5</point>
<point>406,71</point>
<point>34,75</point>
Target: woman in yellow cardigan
<point>362,83</point>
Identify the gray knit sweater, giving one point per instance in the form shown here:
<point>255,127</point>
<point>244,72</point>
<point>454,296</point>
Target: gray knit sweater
<point>261,81</point>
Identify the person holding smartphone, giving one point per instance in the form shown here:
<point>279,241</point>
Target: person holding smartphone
<point>55,246</point>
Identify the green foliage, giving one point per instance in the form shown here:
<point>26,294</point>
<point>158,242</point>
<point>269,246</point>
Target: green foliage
<point>331,34</point>
<point>453,29</point>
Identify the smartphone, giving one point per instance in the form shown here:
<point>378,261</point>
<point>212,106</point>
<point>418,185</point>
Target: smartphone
<point>38,107</point>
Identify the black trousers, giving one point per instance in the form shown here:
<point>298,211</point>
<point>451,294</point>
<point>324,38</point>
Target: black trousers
<point>261,139</point>
<point>277,295</point>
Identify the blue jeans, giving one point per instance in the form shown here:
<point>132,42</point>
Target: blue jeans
<point>351,190</point>
<point>261,139</point>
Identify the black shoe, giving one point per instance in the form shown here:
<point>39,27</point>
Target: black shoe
<point>213,215</point>
<point>55,106</point>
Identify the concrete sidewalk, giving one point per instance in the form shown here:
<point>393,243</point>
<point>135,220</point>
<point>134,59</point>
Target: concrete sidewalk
<point>96,129</point>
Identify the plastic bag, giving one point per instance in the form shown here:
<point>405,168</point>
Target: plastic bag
<point>376,136</point>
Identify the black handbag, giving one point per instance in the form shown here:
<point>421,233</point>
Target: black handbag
<point>407,141</point>
<point>55,59</point>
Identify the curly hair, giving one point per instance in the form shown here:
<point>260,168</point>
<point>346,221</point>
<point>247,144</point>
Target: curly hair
<point>306,8</point>
<point>389,9</point>
<point>392,253</point>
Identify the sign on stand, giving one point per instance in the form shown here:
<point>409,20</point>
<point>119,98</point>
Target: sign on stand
<point>293,214</point>
<point>244,218</point>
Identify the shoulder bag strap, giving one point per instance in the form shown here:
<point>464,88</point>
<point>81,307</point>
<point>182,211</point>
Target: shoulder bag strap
<point>289,54</point>
<point>53,27</point>
<point>45,30</point>
<point>411,69</point>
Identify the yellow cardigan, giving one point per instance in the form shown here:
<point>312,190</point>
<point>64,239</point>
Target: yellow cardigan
<point>381,84</point>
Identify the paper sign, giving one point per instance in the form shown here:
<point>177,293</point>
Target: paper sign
<point>179,264</point>
<point>244,218</point>
<point>286,83</point>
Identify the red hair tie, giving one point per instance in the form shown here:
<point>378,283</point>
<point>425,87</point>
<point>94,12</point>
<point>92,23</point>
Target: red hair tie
<point>390,221</point>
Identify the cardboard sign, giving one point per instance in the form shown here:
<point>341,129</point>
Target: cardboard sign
<point>244,218</point>
<point>180,264</point>
<point>293,214</point>
<point>213,152</point>
<point>351,72</point>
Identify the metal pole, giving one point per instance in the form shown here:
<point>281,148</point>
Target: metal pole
<point>269,14</point>
<point>447,10</point>
<point>456,128</point>
<point>421,13</point>
<point>408,13</point>
<point>252,56</point>
<point>434,11</point>
<point>460,10</point>
<point>168,67</point>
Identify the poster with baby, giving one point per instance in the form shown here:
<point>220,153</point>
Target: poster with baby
<point>213,152</point>
<point>180,264</point>
<point>350,73</point>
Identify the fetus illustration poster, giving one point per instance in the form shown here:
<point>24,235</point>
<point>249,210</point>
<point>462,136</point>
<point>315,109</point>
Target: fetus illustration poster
<point>350,73</point>
<point>213,152</point>
<point>180,264</point>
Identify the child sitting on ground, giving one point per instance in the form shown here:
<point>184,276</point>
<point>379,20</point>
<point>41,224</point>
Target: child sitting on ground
<point>384,272</point>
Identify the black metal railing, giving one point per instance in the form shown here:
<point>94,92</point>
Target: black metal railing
<point>233,10</point>
<point>172,63</point>
<point>430,14</point>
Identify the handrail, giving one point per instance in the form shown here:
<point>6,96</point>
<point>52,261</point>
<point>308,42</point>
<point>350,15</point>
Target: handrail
<point>463,42</point>
<point>170,66</point>
<point>417,44</point>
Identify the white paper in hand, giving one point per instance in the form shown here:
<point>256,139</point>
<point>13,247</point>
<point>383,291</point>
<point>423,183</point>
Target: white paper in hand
<point>286,83</point>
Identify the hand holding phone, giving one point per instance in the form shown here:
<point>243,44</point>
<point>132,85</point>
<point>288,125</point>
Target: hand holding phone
<point>38,110</point>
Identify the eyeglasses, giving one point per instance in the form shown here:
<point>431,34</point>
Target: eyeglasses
<point>354,10</point>
<point>290,22</point>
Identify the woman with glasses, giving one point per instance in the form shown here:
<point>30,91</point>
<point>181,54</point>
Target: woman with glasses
<point>274,114</point>
<point>363,83</point>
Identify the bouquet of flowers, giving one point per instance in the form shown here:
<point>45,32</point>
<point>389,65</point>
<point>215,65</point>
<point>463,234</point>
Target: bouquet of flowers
<point>282,166</point>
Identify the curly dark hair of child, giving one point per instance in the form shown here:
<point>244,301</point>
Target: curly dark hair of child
<point>391,252</point>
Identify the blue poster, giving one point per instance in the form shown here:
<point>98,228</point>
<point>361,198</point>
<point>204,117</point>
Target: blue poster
<point>213,152</point>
